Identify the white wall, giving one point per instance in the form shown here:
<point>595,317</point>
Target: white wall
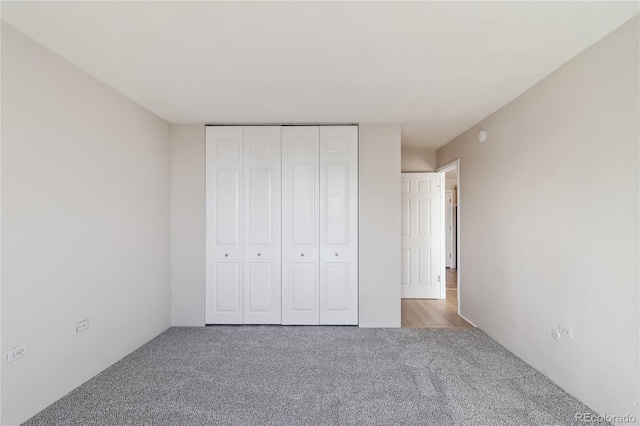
<point>418,159</point>
<point>379,246</point>
<point>450,183</point>
<point>85,226</point>
<point>187,225</point>
<point>1,363</point>
<point>379,225</point>
<point>549,232</point>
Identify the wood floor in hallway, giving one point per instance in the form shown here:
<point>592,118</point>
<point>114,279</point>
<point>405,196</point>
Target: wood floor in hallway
<point>430,313</point>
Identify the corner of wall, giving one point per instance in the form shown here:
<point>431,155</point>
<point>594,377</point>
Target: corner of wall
<point>418,159</point>
<point>85,225</point>
<point>187,224</point>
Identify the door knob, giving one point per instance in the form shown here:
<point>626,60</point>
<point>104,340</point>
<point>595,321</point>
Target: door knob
<point>336,254</point>
<point>258,254</point>
<point>302,254</point>
<point>226,255</point>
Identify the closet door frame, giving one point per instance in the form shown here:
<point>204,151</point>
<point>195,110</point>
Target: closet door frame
<point>289,257</point>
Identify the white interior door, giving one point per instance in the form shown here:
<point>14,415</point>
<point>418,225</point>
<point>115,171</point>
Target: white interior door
<point>262,234</point>
<point>448,227</point>
<point>420,236</point>
<point>224,239</point>
<point>300,225</point>
<point>338,225</point>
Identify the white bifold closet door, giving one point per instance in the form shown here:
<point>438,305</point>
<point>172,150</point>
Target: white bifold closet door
<point>301,225</point>
<point>320,236</point>
<point>243,248</point>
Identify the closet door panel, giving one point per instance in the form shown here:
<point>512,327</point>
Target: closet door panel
<point>300,225</point>
<point>260,287</point>
<point>224,233</point>
<point>262,225</point>
<point>260,206</point>
<point>336,206</point>
<point>304,203</point>
<point>227,296</point>
<point>227,206</point>
<point>305,276</point>
<point>337,286</point>
<point>338,225</point>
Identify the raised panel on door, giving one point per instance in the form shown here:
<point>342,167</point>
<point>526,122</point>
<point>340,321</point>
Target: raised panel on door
<point>338,225</point>
<point>425,218</point>
<point>262,225</point>
<point>336,207</point>
<point>259,289</point>
<point>303,206</point>
<point>227,206</point>
<point>424,267</point>
<point>227,296</point>
<point>300,225</point>
<point>259,206</point>
<point>224,233</point>
<point>405,217</point>
<point>420,236</point>
<point>304,297</point>
<point>336,289</point>
<point>405,256</point>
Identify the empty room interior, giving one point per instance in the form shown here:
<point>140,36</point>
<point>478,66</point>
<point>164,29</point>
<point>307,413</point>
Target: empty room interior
<point>252,212</point>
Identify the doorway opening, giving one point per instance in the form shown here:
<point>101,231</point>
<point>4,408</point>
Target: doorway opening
<point>449,226</point>
<point>441,309</point>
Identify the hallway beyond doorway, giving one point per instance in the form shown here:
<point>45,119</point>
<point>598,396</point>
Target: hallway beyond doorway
<point>435,313</point>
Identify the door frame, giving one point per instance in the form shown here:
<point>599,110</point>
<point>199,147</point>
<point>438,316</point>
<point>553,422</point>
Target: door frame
<point>448,233</point>
<point>453,165</point>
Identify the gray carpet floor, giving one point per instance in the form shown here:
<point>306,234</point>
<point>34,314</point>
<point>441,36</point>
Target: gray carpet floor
<point>274,375</point>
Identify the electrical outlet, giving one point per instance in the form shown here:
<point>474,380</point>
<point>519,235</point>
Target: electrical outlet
<point>16,353</point>
<point>565,331</point>
<point>82,326</point>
